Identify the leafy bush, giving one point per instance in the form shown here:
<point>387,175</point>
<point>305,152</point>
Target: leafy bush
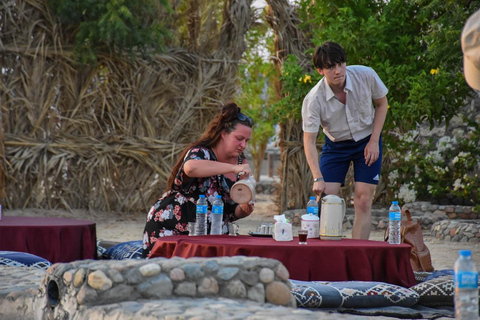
<point>414,46</point>
<point>436,170</point>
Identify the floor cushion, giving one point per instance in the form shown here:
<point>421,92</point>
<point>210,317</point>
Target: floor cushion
<point>351,294</point>
<point>103,245</point>
<point>124,250</point>
<point>437,291</point>
<point>23,259</point>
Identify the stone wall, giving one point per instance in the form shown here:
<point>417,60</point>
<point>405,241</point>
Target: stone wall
<point>70,289</point>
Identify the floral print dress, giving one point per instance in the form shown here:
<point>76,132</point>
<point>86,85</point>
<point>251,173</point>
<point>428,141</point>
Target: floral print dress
<point>172,212</point>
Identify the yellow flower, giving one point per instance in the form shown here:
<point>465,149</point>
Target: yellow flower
<point>307,78</point>
<point>388,106</point>
<point>434,71</point>
<point>286,73</point>
<point>300,79</point>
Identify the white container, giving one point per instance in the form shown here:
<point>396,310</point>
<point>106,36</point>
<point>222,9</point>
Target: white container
<point>311,223</point>
<point>331,220</point>
<point>243,191</point>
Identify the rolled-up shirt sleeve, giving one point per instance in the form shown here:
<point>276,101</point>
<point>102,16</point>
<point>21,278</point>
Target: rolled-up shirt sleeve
<point>311,112</point>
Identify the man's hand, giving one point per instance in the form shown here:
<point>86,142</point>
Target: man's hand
<point>371,152</point>
<point>319,187</point>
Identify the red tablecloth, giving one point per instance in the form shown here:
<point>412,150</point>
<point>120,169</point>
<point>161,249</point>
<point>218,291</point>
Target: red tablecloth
<point>55,239</point>
<point>324,260</point>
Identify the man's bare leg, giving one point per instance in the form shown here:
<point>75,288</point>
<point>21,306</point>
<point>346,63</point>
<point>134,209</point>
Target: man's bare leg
<point>363,198</point>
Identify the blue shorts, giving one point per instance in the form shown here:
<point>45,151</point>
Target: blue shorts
<point>337,156</point>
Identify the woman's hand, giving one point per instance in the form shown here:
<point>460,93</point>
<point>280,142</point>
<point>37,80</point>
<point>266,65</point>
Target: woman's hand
<point>242,170</point>
<point>244,210</point>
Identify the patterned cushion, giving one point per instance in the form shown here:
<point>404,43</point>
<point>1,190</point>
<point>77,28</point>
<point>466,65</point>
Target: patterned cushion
<point>124,250</point>
<point>351,294</point>
<point>103,245</point>
<point>437,291</point>
<point>23,259</point>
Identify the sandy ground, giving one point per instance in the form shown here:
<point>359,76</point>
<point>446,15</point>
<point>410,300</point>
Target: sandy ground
<point>115,226</point>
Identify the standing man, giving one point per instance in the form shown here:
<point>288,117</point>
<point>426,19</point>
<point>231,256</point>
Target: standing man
<point>341,103</point>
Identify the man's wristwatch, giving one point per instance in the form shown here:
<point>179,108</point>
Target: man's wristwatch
<point>318,179</point>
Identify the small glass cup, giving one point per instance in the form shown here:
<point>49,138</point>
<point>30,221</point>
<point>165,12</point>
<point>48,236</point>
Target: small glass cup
<point>302,236</point>
<point>232,229</point>
<point>191,228</point>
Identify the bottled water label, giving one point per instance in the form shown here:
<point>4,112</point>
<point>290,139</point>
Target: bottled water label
<point>394,216</point>
<point>202,209</point>
<point>466,280</point>
<point>217,209</point>
<point>312,210</point>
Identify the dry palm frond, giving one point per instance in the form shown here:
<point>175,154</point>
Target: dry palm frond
<point>104,136</point>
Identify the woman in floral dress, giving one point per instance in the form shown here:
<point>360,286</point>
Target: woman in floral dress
<point>209,166</point>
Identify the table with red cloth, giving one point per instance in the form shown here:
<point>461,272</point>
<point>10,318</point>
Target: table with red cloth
<point>54,239</point>
<point>322,260</point>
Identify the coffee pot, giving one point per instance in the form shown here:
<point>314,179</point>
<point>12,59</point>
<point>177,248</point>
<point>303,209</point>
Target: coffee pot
<point>243,190</point>
<point>331,218</point>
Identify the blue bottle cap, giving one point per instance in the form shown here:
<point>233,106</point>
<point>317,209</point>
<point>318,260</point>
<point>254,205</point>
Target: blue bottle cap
<point>312,198</point>
<point>202,196</point>
<point>465,253</point>
<point>218,196</point>
<point>394,202</point>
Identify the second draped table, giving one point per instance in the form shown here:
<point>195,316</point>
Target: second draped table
<point>321,260</point>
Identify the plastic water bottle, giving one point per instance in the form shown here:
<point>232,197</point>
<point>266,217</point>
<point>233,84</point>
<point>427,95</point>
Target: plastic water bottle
<point>394,217</point>
<point>216,217</point>
<point>312,206</point>
<point>201,221</point>
<point>466,286</point>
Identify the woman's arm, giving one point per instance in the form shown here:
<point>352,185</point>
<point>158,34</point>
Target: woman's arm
<point>207,168</point>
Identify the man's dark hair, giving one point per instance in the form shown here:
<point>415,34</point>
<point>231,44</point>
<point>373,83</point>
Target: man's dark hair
<point>328,55</point>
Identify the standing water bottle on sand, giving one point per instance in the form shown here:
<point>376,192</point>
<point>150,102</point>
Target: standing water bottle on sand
<point>466,286</point>
<point>216,217</point>
<point>394,217</point>
<point>312,206</point>
<point>201,221</point>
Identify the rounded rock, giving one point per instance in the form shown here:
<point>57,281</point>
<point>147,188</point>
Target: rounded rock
<point>68,277</point>
<point>227,273</point>
<point>177,274</point>
<point>282,272</point>
<point>208,286</point>
<point>115,276</point>
<point>266,275</point>
<point>210,266</point>
<point>193,271</point>
<point>188,289</point>
<point>150,270</point>
<point>257,293</point>
<point>278,293</point>
<point>236,289</point>
<point>79,278</point>
<point>98,280</point>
